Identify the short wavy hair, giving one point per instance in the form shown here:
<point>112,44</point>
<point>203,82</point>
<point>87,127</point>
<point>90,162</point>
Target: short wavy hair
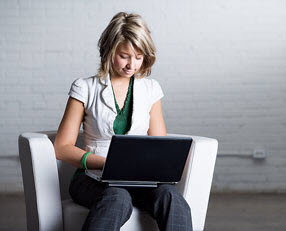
<point>130,28</point>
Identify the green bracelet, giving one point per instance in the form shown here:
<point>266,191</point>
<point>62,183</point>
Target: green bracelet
<point>83,160</point>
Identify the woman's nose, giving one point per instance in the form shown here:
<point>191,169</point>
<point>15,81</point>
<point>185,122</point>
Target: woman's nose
<point>130,64</point>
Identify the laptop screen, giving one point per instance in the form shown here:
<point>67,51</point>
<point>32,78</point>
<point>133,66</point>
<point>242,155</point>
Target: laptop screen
<point>146,158</point>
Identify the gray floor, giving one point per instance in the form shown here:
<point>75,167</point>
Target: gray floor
<point>235,212</point>
<point>246,212</point>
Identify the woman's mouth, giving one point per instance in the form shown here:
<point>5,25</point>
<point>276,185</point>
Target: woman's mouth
<point>127,71</point>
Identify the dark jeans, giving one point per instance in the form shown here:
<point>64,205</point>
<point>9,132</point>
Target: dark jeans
<point>111,207</point>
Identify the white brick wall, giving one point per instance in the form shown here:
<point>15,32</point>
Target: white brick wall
<point>223,60</point>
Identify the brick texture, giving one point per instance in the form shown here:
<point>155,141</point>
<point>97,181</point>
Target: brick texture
<point>222,66</point>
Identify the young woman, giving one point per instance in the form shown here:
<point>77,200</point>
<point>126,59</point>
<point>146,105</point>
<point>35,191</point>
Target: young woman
<point>118,100</point>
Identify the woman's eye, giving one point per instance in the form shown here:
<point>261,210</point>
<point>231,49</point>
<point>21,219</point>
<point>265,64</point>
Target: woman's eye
<point>124,57</point>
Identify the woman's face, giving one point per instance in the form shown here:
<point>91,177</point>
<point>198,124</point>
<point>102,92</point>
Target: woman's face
<point>126,60</point>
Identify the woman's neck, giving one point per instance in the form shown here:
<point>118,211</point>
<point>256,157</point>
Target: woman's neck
<point>119,81</point>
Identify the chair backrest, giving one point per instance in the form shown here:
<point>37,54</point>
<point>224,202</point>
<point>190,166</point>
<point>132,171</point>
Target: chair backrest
<point>65,170</point>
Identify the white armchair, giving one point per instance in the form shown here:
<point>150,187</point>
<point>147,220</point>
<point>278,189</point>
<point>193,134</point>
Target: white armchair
<point>46,181</point>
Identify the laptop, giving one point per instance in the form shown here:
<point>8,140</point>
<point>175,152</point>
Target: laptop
<point>143,161</point>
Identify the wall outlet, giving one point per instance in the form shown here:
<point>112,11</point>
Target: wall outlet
<point>259,153</point>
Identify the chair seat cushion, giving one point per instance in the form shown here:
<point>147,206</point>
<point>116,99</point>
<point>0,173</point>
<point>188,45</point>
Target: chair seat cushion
<point>74,216</point>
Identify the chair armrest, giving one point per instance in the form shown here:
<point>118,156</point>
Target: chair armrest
<point>196,181</point>
<point>41,183</point>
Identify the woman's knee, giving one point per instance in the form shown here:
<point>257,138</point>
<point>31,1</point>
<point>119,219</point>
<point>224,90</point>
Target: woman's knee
<point>118,197</point>
<point>166,190</point>
<point>170,194</point>
<point>110,210</point>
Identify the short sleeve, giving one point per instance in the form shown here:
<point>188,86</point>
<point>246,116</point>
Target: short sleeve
<point>79,90</point>
<point>157,92</point>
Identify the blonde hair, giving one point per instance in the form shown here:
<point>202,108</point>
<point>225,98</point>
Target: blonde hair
<point>129,28</point>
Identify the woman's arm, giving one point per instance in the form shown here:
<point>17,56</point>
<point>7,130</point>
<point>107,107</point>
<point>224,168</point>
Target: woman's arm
<point>157,124</point>
<point>67,134</point>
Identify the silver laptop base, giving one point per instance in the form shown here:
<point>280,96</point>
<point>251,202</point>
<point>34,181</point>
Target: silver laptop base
<point>132,185</point>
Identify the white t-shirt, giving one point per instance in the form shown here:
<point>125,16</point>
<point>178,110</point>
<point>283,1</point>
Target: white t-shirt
<point>100,112</point>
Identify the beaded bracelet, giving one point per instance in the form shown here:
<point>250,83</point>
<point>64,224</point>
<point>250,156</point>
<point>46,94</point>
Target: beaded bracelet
<point>83,160</point>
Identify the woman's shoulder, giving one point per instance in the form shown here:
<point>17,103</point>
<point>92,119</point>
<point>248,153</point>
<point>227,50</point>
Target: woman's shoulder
<point>85,81</point>
<point>152,88</point>
<point>149,82</point>
<point>82,88</point>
